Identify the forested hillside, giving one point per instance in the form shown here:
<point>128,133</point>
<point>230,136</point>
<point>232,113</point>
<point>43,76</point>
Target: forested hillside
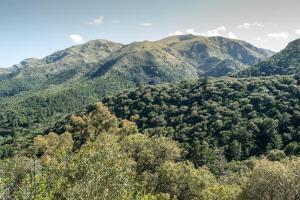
<point>283,63</point>
<point>99,156</point>
<point>227,117</point>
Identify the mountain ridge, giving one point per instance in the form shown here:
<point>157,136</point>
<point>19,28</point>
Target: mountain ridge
<point>286,62</point>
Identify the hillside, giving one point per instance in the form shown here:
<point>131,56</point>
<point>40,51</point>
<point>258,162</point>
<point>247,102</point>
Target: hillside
<point>283,63</point>
<point>99,156</point>
<point>90,52</point>
<point>57,68</point>
<point>178,57</point>
<point>215,56</point>
<point>238,117</point>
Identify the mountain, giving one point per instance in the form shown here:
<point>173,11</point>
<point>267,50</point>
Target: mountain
<point>285,62</point>
<point>181,57</point>
<point>56,68</point>
<point>90,52</point>
<point>208,55</point>
<point>146,63</point>
<point>37,93</point>
<point>215,56</point>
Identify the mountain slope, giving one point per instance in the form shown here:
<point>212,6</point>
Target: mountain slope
<point>146,63</point>
<point>216,56</point>
<point>283,63</point>
<point>243,117</point>
<point>57,68</point>
<point>182,56</point>
<point>90,52</point>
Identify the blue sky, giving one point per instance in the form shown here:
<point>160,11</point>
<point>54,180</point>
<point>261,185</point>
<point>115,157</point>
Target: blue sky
<point>36,28</point>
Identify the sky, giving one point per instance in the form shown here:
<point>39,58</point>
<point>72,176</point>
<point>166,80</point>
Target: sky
<point>37,28</point>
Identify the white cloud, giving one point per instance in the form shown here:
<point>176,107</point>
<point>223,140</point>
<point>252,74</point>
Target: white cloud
<point>221,28</point>
<point>232,35</point>
<point>192,31</point>
<point>297,31</point>
<point>244,26</point>
<point>219,31</point>
<point>278,36</point>
<point>146,24</point>
<point>77,39</point>
<point>97,21</point>
<point>247,25</point>
<point>176,33</point>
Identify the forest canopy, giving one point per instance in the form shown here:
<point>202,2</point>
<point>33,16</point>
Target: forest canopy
<point>102,157</point>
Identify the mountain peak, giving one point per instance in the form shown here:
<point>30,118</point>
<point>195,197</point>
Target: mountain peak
<point>94,45</point>
<point>90,51</point>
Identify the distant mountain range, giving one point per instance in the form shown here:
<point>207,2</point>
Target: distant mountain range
<point>36,93</point>
<point>171,59</point>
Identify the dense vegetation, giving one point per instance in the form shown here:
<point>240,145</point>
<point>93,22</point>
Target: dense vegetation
<point>212,118</point>
<point>101,157</point>
<point>22,116</point>
<point>211,139</point>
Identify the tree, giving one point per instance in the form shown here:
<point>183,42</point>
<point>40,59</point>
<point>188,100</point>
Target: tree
<point>183,181</point>
<point>276,155</point>
<point>273,181</point>
<point>150,153</point>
